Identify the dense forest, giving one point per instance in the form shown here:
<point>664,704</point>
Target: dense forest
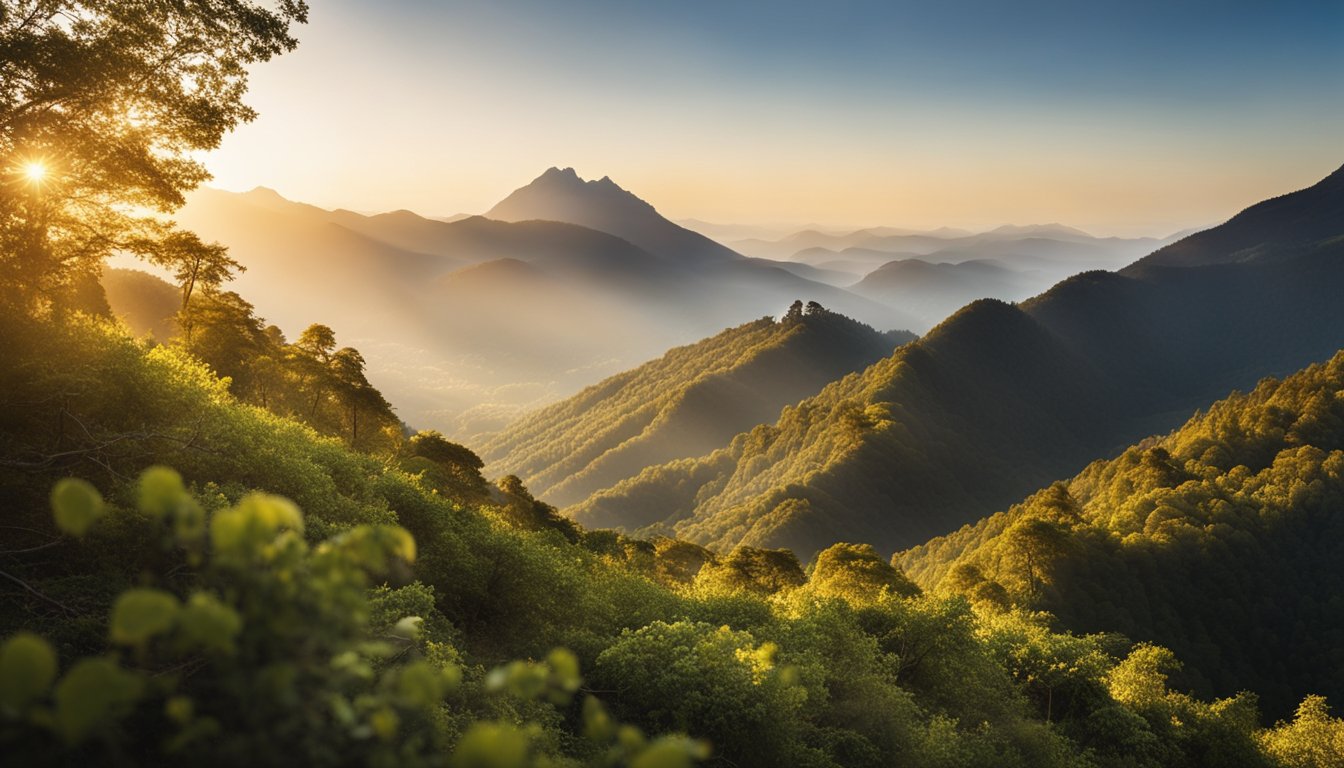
<point>1002,399</point>
<point>221,547</point>
<point>410,613</point>
<point>684,404</point>
<point>1221,540</point>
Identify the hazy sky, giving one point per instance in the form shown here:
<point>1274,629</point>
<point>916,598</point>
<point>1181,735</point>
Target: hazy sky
<point>1119,117</point>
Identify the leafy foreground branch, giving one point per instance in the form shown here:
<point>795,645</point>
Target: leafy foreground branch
<point>275,651</point>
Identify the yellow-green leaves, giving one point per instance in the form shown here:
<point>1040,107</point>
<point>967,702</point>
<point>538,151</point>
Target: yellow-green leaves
<point>557,679</point>
<point>671,752</point>
<point>91,693</point>
<point>248,531</point>
<point>408,628</point>
<point>140,614</point>
<point>76,504</point>
<point>492,745</point>
<point>161,490</point>
<point>27,668</point>
<point>375,547</point>
<point>422,684</point>
<point>597,724</point>
<point>207,623</point>
<point>162,495</point>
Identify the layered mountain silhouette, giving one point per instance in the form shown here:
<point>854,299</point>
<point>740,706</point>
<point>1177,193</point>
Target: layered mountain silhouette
<point>466,323</point>
<point>931,274</point>
<point>691,400</point>
<point>999,400</point>
<point>936,290</point>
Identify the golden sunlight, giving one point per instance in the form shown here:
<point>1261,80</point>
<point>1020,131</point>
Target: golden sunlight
<point>34,171</point>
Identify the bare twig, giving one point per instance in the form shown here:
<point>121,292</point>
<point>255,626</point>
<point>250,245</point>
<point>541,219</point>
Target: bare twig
<point>29,588</point>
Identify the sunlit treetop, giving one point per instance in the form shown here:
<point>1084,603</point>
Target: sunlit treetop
<point>117,94</point>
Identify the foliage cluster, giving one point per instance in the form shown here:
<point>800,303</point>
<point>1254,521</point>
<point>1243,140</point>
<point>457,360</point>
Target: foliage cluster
<point>1221,540</point>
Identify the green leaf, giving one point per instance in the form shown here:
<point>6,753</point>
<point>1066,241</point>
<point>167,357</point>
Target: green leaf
<point>492,745</point>
<point>76,504</point>
<point>408,627</point>
<point>597,724</point>
<point>161,490</point>
<point>385,723</point>
<point>93,692</point>
<point>188,520</point>
<point>420,684</point>
<point>207,623</point>
<point>671,752</point>
<point>179,709</point>
<point>243,532</point>
<point>27,668</point>
<point>140,614</point>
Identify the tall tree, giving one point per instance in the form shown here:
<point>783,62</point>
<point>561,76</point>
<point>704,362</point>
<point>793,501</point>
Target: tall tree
<point>195,264</point>
<point>102,103</point>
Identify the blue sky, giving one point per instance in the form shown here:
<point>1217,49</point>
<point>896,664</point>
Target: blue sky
<point>1119,117</point>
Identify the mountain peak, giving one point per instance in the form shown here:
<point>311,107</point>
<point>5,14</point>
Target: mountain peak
<point>560,194</point>
<point>264,194</point>
<point>555,173</point>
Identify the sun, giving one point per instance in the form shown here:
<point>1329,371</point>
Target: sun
<point>34,172</point>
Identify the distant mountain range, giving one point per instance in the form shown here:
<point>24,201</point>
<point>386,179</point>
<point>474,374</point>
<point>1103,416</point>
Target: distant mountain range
<point>687,402</point>
<point>590,280</point>
<point>921,271</point>
<point>999,400</point>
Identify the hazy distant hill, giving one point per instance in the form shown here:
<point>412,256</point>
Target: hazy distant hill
<point>1071,244</point>
<point>691,400</point>
<point>934,291</point>
<point>145,303</point>
<point>466,351</point>
<point>1222,541</point>
<point>999,400</point>
<point>720,276</point>
<point>921,274</point>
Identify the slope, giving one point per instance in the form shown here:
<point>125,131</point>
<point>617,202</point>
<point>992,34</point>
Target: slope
<point>683,404</point>
<point>999,400</point>
<point>1222,540</point>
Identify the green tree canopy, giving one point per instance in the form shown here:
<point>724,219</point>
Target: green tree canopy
<point>102,103</point>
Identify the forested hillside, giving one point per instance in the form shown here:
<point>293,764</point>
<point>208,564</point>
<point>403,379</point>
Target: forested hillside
<point>684,404</point>
<point>159,617</point>
<point>1222,540</point>
<point>1000,399</point>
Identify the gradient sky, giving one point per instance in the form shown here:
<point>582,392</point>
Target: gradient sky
<point>1132,117</point>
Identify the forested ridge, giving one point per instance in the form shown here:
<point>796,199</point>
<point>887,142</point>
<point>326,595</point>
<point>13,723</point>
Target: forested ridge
<point>1000,399</point>
<point>688,402</point>
<point>1221,540</point>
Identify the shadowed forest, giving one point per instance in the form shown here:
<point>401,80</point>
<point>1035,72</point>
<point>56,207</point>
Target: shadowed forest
<point>572,484</point>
